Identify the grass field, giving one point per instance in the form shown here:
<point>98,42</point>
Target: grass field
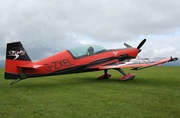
<point>154,93</point>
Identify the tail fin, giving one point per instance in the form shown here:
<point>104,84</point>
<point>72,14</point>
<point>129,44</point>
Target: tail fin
<point>15,55</point>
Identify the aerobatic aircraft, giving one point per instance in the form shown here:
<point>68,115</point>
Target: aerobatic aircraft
<point>86,58</point>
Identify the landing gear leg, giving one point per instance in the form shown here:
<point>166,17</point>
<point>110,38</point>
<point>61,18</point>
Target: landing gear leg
<point>104,76</point>
<point>125,76</point>
<point>21,77</point>
<point>13,82</point>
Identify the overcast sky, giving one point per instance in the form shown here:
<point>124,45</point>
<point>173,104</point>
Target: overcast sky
<point>48,26</point>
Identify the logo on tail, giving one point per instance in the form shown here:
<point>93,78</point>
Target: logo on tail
<point>16,53</point>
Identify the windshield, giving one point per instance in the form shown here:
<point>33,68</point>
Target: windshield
<point>85,50</point>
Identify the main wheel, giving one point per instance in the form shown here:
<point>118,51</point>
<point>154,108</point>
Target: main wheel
<point>105,76</point>
<point>127,77</point>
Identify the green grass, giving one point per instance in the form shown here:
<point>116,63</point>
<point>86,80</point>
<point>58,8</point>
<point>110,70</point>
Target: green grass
<point>155,92</point>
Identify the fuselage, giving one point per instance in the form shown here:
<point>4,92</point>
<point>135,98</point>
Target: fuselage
<point>65,63</point>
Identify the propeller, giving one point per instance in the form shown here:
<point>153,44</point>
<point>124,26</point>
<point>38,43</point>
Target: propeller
<point>141,44</point>
<point>127,45</point>
<point>138,47</point>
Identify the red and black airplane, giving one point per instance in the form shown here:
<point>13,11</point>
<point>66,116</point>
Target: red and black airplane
<point>85,58</point>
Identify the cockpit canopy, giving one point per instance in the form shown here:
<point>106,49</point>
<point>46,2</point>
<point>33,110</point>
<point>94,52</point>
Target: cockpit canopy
<point>86,50</point>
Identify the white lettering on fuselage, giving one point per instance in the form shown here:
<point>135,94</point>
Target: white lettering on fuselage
<point>115,53</point>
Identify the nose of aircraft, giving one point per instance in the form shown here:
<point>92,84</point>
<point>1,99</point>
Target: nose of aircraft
<point>138,47</point>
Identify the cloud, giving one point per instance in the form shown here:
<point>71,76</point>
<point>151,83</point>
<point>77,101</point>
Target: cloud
<point>167,51</point>
<point>44,26</point>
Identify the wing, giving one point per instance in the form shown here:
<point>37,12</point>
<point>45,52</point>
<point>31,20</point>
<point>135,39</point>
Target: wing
<point>139,64</point>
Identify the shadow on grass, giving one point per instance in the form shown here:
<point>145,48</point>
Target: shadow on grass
<point>73,81</point>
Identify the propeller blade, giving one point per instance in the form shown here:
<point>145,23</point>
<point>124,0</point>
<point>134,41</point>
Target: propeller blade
<point>127,45</point>
<point>141,44</point>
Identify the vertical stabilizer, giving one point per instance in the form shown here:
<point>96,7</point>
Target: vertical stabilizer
<point>15,55</point>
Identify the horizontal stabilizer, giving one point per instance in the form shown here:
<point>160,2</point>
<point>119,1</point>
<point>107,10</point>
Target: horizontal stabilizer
<point>32,66</point>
